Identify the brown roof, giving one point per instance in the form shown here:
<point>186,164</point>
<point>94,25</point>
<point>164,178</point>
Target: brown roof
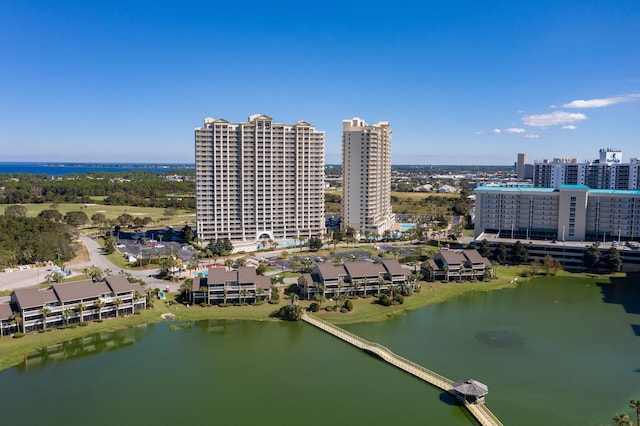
<point>220,275</point>
<point>329,271</point>
<point>474,257</point>
<point>33,297</point>
<point>394,267</point>
<point>452,257</point>
<point>246,274</point>
<point>120,284</point>
<point>80,290</point>
<point>263,282</point>
<point>364,269</point>
<point>5,311</point>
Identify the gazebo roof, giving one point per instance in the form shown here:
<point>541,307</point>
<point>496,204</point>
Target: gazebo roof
<point>470,387</point>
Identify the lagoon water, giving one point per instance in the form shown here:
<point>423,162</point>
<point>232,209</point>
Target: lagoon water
<point>553,352</point>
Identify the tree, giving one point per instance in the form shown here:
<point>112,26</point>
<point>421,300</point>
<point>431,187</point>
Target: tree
<point>612,260</point>
<point>187,233</point>
<point>261,269</point>
<point>380,284</point>
<point>518,253</point>
<point>484,248</point>
<point>66,314</point>
<point>15,211</point>
<point>44,312</point>
<point>80,308</point>
<point>136,297</point>
<point>99,304</point>
<point>98,218</point>
<point>16,320</point>
<point>76,218</point>
<point>500,253</point>
<point>635,404</point>
<point>292,312</point>
<point>622,419</point>
<point>50,214</point>
<point>117,302</point>
<point>315,243</point>
<point>591,257</point>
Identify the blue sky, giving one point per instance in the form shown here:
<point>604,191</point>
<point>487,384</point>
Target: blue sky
<point>464,82</point>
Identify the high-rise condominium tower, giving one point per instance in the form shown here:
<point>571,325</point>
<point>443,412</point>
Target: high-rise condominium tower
<point>366,176</point>
<point>259,180</point>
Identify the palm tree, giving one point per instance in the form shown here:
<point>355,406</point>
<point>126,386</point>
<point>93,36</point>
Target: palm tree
<point>117,302</point>
<point>80,307</point>
<point>364,285</point>
<point>380,284</point>
<point>355,285</point>
<point>136,297</point>
<point>16,319</point>
<point>228,263</point>
<point>66,314</point>
<point>243,294</point>
<point>622,419</point>
<point>99,304</point>
<point>44,312</point>
<point>635,404</point>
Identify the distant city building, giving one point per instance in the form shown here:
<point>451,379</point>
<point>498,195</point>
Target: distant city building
<point>607,172</point>
<point>259,180</point>
<point>366,174</point>
<point>524,170</point>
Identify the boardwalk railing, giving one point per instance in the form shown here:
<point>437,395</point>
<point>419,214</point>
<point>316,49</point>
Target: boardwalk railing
<point>479,411</point>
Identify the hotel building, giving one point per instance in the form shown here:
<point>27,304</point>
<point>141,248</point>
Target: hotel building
<point>607,172</point>
<point>259,180</point>
<point>562,222</point>
<point>366,176</point>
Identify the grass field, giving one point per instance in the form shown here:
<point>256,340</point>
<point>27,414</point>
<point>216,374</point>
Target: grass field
<point>181,218</point>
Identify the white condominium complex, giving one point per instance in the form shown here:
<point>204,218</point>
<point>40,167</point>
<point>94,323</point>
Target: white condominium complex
<point>366,176</point>
<point>259,180</point>
<point>607,172</point>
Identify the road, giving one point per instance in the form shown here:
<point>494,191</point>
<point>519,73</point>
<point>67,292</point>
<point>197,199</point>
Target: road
<point>33,276</point>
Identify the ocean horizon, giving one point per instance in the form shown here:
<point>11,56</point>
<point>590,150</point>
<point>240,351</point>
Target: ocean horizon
<point>61,168</point>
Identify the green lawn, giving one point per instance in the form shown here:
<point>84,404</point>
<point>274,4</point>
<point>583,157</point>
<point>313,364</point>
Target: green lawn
<point>182,217</point>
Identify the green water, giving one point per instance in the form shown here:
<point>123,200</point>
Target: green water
<point>553,352</point>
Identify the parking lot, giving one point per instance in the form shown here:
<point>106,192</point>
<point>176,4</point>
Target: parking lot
<point>154,243</point>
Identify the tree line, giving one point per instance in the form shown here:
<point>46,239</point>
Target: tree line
<point>139,188</point>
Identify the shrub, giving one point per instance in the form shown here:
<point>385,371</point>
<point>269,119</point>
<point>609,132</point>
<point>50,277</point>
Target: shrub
<point>98,320</point>
<point>83,324</point>
<point>330,308</point>
<point>344,310</point>
<point>18,335</point>
<point>348,305</point>
<point>399,299</point>
<point>224,305</point>
<point>385,300</point>
<point>274,301</point>
<point>314,307</point>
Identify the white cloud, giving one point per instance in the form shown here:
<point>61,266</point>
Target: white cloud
<point>496,131</point>
<point>602,102</point>
<point>553,119</point>
<point>569,127</point>
<point>515,130</point>
<point>478,132</point>
<point>531,136</point>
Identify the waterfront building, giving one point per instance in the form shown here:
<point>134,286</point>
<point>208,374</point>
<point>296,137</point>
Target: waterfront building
<point>259,180</point>
<point>360,277</point>
<point>242,285</point>
<point>76,302</point>
<point>606,172</point>
<point>366,177</point>
<point>457,265</point>
<point>563,221</point>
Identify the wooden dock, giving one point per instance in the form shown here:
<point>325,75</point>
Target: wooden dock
<point>480,411</point>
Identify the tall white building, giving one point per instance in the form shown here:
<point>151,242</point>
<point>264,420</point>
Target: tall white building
<point>366,176</point>
<point>259,180</point>
<point>607,172</point>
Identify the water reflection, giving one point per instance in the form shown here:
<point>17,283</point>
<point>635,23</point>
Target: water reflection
<point>82,347</point>
<point>500,339</point>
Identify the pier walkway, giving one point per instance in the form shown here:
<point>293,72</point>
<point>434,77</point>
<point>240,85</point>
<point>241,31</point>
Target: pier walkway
<point>482,414</point>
